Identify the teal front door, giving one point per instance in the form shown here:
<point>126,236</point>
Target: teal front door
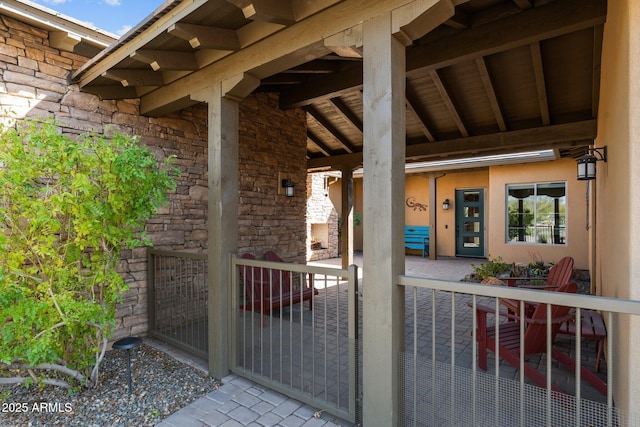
<point>470,223</point>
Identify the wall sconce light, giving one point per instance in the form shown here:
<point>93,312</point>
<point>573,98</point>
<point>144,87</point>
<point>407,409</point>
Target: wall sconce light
<point>445,205</point>
<point>287,184</point>
<point>587,162</point>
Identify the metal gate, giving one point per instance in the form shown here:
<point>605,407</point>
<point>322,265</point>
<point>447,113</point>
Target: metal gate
<point>294,339</point>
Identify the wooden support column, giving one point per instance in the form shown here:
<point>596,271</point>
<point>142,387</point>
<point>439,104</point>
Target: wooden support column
<point>223,102</point>
<point>433,214</point>
<point>383,219</point>
<point>346,228</point>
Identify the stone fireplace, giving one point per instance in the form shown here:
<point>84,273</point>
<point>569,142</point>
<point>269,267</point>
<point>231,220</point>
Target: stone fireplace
<point>322,219</point>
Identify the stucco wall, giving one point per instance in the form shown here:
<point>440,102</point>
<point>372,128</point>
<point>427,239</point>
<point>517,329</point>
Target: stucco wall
<point>577,235</point>
<point>617,249</point>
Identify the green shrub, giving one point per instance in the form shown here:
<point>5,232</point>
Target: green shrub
<point>492,268</point>
<point>67,208</point>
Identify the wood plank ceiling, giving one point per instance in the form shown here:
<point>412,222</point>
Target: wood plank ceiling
<point>499,76</point>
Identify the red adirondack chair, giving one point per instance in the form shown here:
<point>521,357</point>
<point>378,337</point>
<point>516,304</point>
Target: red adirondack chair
<point>535,340</point>
<point>269,289</point>
<point>559,275</point>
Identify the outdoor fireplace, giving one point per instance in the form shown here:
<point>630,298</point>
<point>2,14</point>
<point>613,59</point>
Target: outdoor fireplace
<point>322,219</point>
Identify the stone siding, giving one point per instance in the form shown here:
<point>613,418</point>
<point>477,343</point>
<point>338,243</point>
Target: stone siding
<point>322,219</point>
<point>34,84</point>
<point>272,145</point>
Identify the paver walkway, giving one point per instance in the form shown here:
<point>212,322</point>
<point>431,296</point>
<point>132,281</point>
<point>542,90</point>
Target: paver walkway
<point>240,402</point>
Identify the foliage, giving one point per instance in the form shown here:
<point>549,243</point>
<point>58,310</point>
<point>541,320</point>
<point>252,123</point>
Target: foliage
<point>492,268</point>
<point>67,208</point>
<point>496,267</point>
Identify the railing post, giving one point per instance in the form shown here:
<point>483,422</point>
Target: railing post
<point>151,291</point>
<point>353,315</point>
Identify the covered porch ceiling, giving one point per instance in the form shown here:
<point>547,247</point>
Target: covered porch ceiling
<point>497,76</point>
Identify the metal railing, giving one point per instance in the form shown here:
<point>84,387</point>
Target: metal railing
<point>299,342</point>
<point>177,304</point>
<point>440,376</point>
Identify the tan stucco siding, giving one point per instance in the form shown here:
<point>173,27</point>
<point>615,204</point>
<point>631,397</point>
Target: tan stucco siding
<point>543,172</point>
<point>617,248</point>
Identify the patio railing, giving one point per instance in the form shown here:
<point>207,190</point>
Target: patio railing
<point>308,350</point>
<point>443,385</point>
<point>177,304</point>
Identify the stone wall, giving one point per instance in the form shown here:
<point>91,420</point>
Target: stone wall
<point>33,83</point>
<point>322,219</point>
<point>272,146</point>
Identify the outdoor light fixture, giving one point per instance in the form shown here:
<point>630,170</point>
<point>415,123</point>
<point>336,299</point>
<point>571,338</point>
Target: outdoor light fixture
<point>287,184</point>
<point>587,162</point>
<point>445,205</point>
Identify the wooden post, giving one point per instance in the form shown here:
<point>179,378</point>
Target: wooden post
<point>346,228</point>
<point>383,218</point>
<point>223,101</point>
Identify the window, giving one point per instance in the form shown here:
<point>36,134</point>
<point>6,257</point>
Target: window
<point>537,213</point>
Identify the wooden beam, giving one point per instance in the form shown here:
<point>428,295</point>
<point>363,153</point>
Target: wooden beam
<point>312,138</point>
<point>327,87</point>
<point>539,138</point>
<point>166,60</point>
<point>347,115</point>
<point>114,91</point>
<point>529,26</point>
<point>262,55</point>
<point>63,40</point>
<point>524,4</point>
<point>329,127</point>
<point>204,37</point>
<point>460,21</point>
<point>598,33</point>
<point>274,11</point>
<point>413,108</point>
<point>541,86</point>
<point>491,93</point>
<point>548,137</point>
<point>418,18</point>
<point>453,110</point>
<point>130,78</point>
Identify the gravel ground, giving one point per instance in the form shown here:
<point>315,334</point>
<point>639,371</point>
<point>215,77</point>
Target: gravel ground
<point>161,386</point>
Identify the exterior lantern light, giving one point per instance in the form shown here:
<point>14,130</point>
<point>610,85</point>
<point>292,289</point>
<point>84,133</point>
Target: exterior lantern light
<point>445,205</point>
<point>587,163</point>
<point>287,184</point>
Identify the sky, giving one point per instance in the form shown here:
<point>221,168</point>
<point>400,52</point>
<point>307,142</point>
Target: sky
<point>114,16</point>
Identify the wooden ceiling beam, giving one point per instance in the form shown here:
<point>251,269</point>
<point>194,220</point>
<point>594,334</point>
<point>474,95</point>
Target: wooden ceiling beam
<point>524,4</point>
<point>274,11</point>
<point>204,37</point>
<point>541,86</point>
<point>413,107</point>
<point>491,93</point>
<point>129,78</point>
<point>446,98</point>
<point>313,139</point>
<point>598,33</point>
<point>115,91</point>
<point>547,137</point>
<point>532,25</point>
<point>329,127</point>
<point>529,26</point>
<point>162,60</point>
<point>538,138</point>
<point>347,115</point>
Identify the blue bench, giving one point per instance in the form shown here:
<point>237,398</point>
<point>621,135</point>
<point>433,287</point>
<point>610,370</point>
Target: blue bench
<point>417,237</point>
